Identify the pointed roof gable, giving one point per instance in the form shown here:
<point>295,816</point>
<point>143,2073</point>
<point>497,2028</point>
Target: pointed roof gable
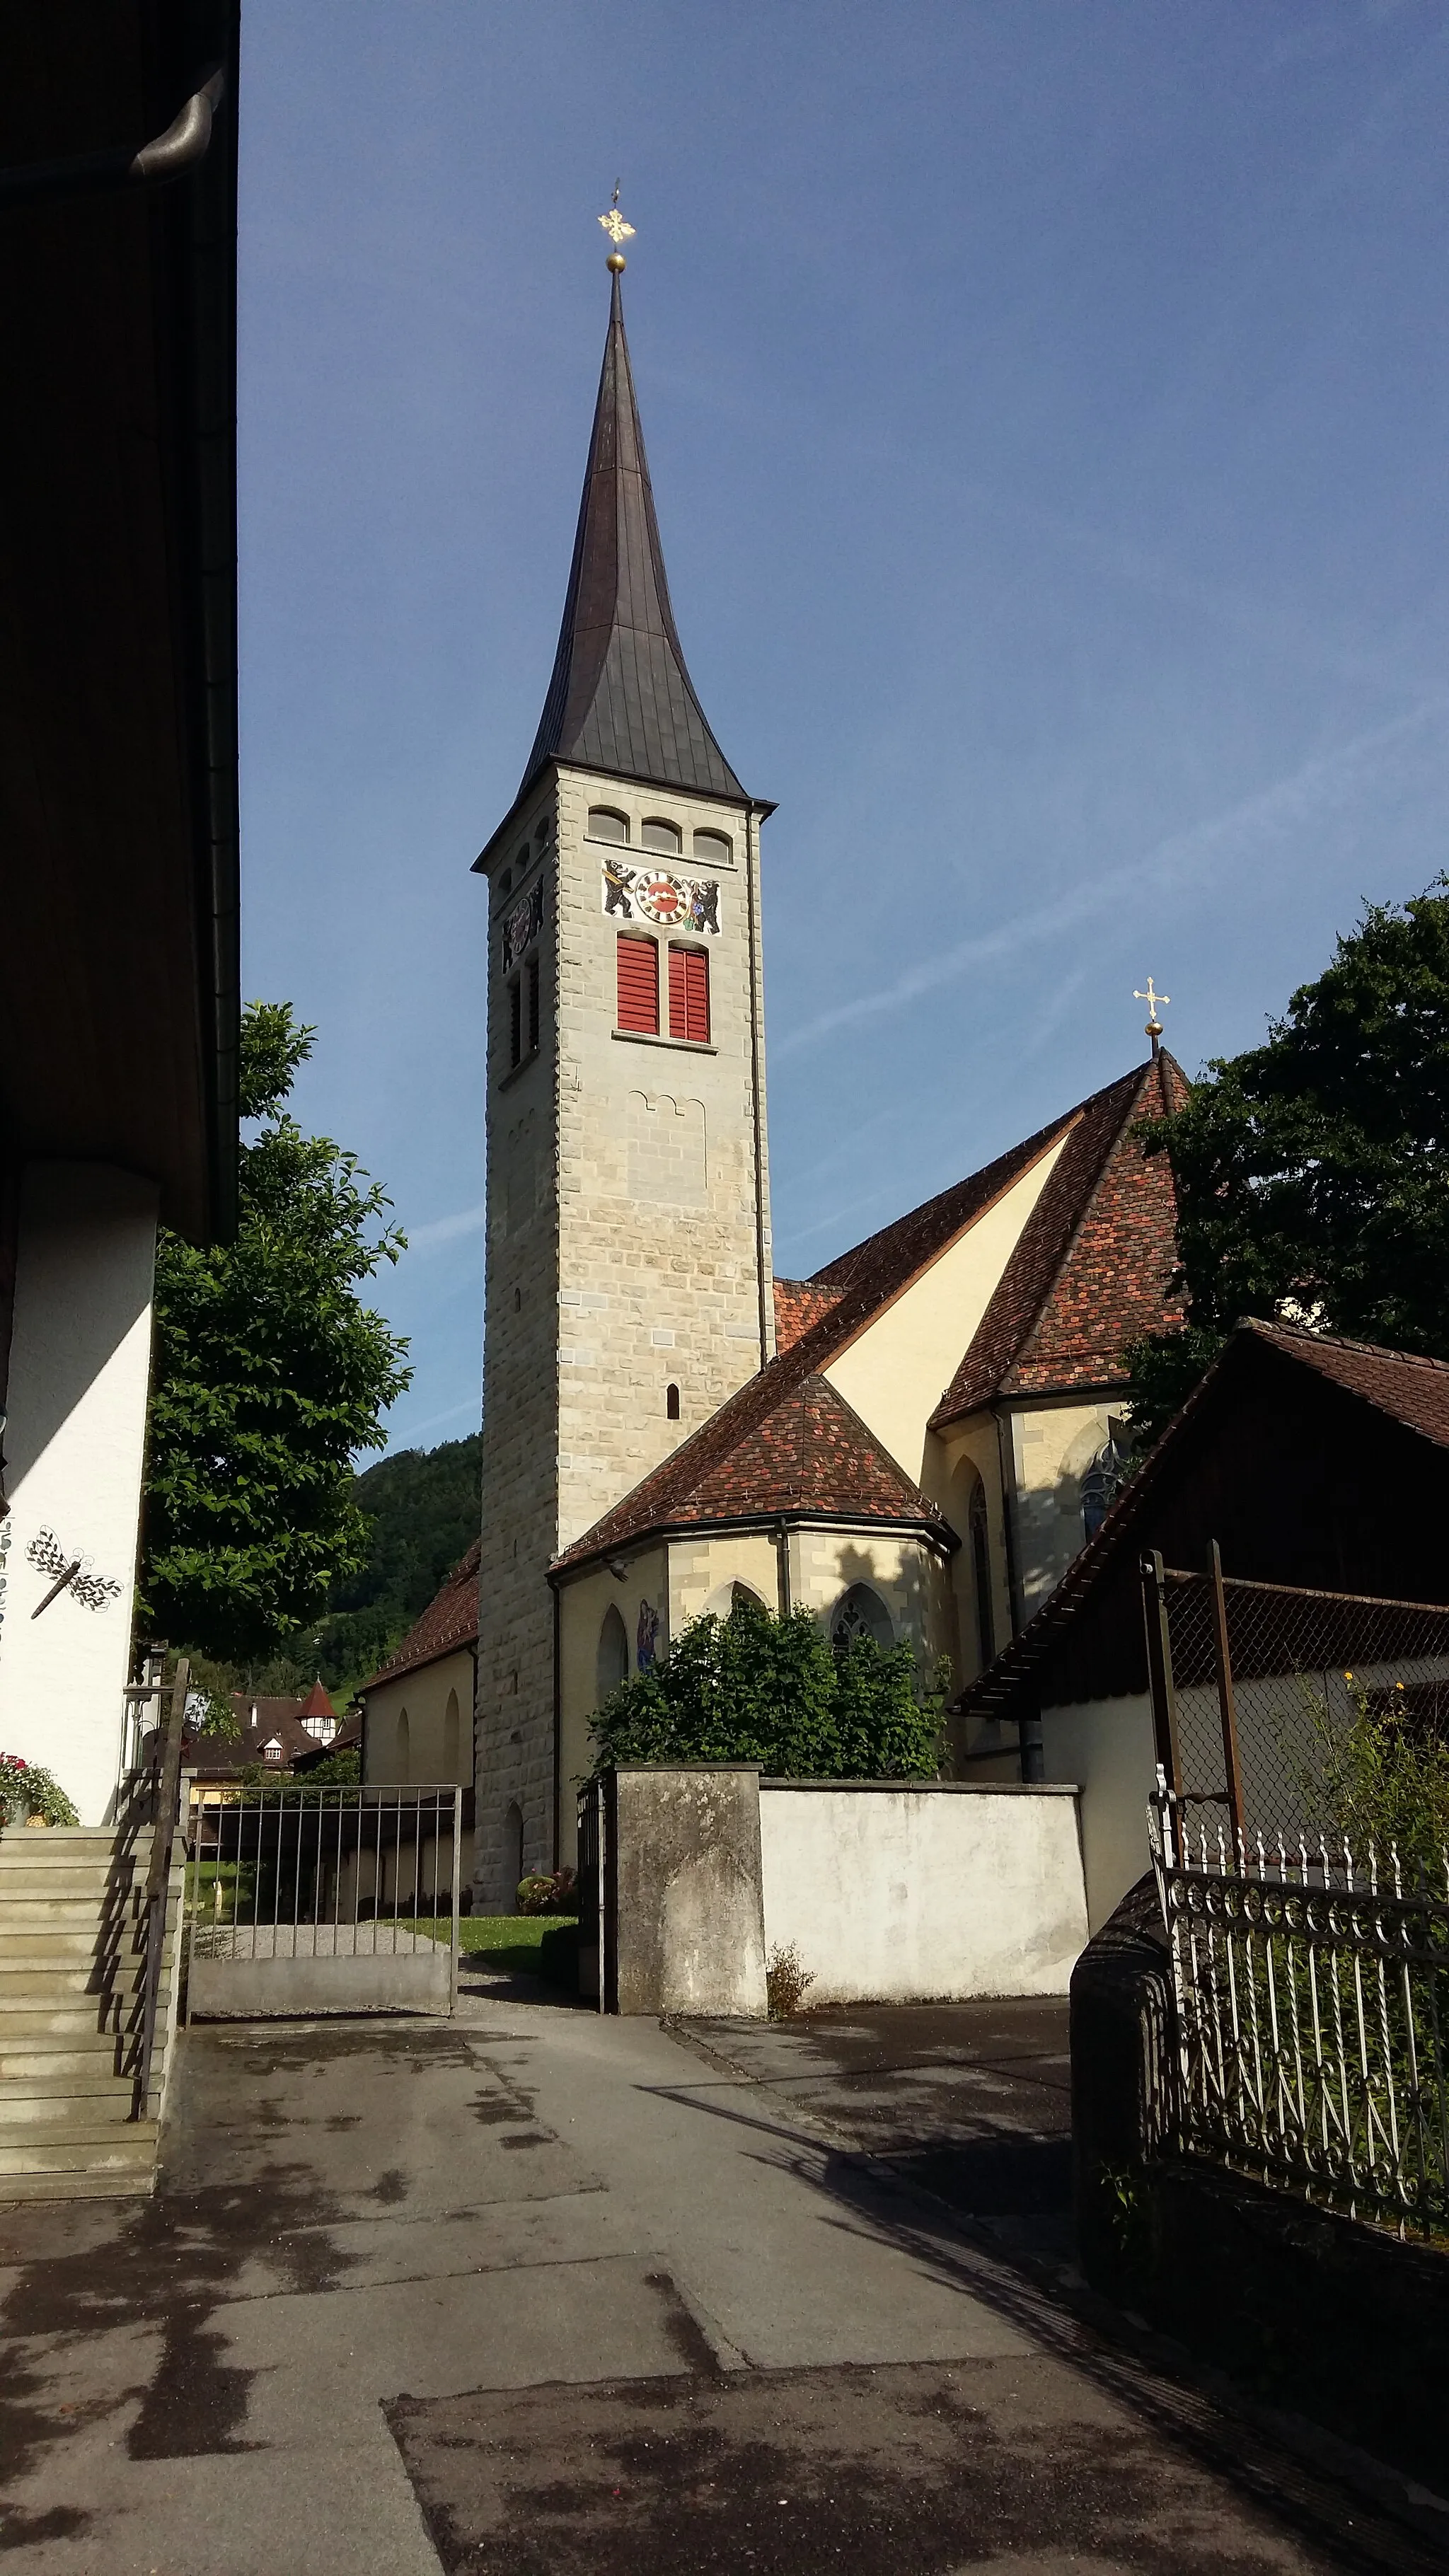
<point>1094,1262</point>
<point>620,699</point>
<point>317,1702</point>
<point>784,1447</point>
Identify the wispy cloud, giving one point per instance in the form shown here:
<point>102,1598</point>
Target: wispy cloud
<point>1242,834</point>
<point>407,1434</point>
<point>447,1229</point>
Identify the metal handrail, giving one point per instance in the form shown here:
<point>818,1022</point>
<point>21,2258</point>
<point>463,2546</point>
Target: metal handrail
<point>158,1875</point>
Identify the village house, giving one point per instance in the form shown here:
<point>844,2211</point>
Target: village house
<point>1315,1463</point>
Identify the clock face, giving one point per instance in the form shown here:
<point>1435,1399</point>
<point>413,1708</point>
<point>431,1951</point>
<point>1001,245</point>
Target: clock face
<point>661,898</point>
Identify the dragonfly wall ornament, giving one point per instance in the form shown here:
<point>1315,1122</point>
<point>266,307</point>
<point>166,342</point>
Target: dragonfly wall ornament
<point>71,1573</point>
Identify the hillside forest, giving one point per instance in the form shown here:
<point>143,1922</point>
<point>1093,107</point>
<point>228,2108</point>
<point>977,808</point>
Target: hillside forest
<point>422,1506</point>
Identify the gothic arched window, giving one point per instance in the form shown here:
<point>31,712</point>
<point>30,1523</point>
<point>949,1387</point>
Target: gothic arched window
<point>656,834</point>
<point>612,1664</point>
<point>980,1537</point>
<point>671,1404</point>
<point>1105,1477</point>
<point>860,1612</point>
<point>606,825</point>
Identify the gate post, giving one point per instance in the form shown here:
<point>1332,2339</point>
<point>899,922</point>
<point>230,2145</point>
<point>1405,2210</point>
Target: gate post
<point>1159,1677</point>
<point>1227,1703</point>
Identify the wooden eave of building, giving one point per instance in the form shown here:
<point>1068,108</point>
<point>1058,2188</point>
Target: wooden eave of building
<point>118,789</point>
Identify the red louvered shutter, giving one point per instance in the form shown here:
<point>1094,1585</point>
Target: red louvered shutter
<point>689,994</point>
<point>639,986</point>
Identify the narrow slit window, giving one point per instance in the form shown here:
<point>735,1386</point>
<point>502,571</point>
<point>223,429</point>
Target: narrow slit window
<point>671,1403</point>
<point>532,973</point>
<point>639,986</point>
<point>689,994</point>
<point>515,1022</point>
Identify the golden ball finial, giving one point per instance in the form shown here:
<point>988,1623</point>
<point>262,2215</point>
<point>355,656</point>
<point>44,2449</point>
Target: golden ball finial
<point>616,261</point>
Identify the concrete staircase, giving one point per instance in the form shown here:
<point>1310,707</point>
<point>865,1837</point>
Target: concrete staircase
<point>72,2011</point>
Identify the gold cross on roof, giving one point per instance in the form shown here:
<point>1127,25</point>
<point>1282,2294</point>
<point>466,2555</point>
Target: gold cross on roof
<point>613,222</point>
<point>1155,1002</point>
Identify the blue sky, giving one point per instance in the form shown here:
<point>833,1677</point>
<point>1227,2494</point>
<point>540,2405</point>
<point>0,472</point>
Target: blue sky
<point>1046,405</point>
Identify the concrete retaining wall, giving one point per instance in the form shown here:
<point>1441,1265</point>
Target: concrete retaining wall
<point>684,1891</point>
<point>896,1892</point>
<point>889,1891</point>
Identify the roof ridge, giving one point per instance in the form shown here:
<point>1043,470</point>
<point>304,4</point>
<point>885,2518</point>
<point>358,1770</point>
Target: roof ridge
<point>1269,1326</point>
<point>667,1492</point>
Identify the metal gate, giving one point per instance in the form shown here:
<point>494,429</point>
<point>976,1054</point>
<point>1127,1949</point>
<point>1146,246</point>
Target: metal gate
<point>320,1900</point>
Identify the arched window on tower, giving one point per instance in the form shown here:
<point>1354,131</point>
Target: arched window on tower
<point>667,838</point>
<point>712,849</point>
<point>612,1665</point>
<point>860,1612</point>
<point>606,825</point>
<point>671,1404</point>
<point>980,1538</point>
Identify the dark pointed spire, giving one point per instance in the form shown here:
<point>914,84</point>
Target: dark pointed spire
<point>620,698</point>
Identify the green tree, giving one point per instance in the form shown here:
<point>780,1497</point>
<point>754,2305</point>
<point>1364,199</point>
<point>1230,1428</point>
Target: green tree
<point>750,1688</point>
<point>270,1375</point>
<point>1312,1172</point>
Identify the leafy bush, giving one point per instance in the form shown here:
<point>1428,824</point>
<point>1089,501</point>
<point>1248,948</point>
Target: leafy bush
<point>750,1688</point>
<point>787,1982</point>
<point>1377,1779</point>
<point>26,1790</point>
<point>551,1892</point>
<point>334,1770</point>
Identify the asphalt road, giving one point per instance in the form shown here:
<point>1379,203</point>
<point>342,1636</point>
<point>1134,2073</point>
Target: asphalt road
<point>534,2292</point>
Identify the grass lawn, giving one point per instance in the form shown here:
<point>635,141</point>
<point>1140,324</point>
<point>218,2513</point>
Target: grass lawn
<point>514,1941</point>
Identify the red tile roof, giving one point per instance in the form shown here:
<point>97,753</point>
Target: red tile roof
<point>1410,1389</point>
<point>1093,1263</point>
<point>784,1446</point>
<point>799,1303</point>
<point>449,1622</point>
<point>843,1297</point>
<point>317,1703</point>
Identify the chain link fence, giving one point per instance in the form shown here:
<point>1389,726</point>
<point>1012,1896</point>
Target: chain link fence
<point>1250,1682</point>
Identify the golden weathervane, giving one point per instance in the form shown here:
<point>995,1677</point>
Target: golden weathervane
<point>617,230</point>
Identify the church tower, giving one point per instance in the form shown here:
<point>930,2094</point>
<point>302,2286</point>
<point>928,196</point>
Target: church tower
<point>629,1288</point>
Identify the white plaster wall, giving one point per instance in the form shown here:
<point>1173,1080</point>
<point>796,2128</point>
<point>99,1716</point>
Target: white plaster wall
<point>896,1372</point>
<point>906,1894</point>
<point>80,1367</point>
<point>1106,1746</point>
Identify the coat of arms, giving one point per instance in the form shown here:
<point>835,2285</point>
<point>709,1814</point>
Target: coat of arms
<point>676,903</point>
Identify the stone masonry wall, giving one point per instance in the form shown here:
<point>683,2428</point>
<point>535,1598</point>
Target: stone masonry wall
<point>625,1252</point>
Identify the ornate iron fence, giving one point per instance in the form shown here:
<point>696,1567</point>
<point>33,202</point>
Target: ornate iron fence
<point>1312,1990</point>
